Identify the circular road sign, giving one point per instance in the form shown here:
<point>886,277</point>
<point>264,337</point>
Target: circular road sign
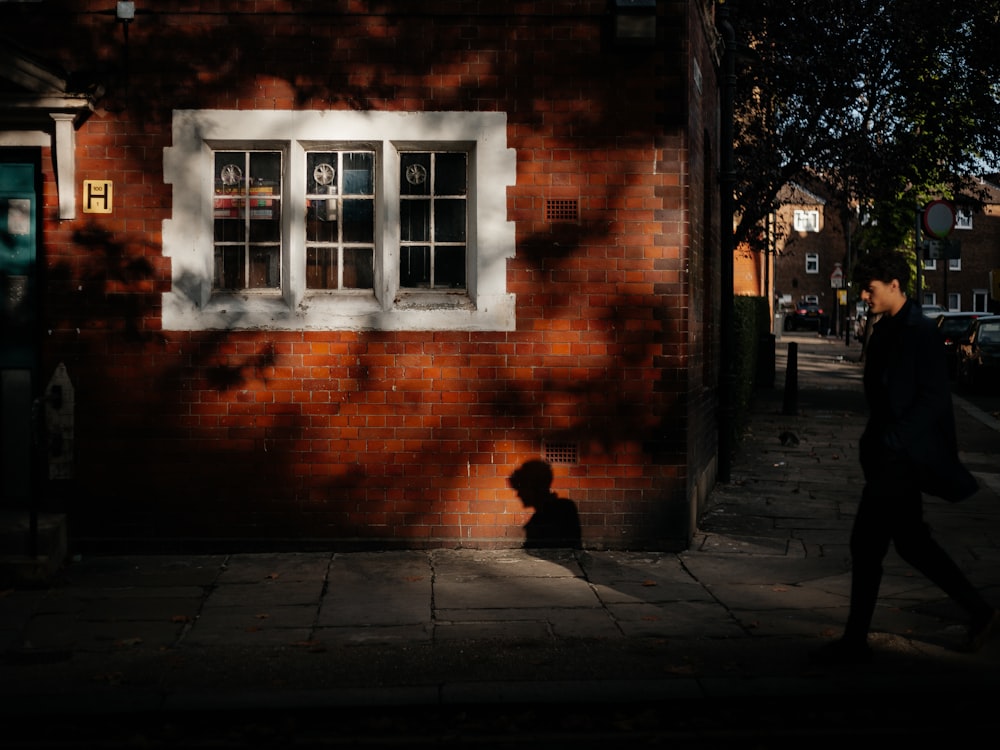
<point>939,218</point>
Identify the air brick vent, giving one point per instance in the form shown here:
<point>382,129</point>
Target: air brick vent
<point>562,453</point>
<point>562,209</point>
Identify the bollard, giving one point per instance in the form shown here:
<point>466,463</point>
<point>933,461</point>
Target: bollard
<point>791,405</point>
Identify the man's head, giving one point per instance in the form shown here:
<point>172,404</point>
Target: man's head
<point>883,277</point>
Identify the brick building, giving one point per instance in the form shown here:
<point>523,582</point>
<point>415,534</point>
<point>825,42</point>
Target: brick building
<point>963,282</point>
<point>329,272</point>
<point>808,245</point>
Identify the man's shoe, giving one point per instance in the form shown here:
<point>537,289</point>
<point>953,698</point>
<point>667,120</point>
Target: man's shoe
<point>842,652</point>
<point>981,631</point>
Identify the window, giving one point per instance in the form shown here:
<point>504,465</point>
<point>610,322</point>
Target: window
<point>246,213</point>
<point>806,221</point>
<point>955,264</point>
<point>954,301</point>
<point>930,264</point>
<point>963,218</point>
<point>432,212</point>
<point>339,220</point>
<point>930,299</point>
<point>812,263</point>
<point>980,300</point>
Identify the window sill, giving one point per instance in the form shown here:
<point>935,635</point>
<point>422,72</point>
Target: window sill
<point>325,312</point>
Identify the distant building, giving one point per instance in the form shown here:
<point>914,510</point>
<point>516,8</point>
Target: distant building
<point>806,257</point>
<point>963,282</point>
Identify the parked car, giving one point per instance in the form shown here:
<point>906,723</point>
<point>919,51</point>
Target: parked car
<point>805,315</point>
<point>979,354</point>
<point>932,311</point>
<point>954,327</point>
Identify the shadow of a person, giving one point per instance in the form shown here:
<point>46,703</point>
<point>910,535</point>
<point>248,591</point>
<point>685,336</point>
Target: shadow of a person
<point>555,522</point>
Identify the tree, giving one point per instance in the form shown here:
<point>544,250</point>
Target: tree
<point>890,101</point>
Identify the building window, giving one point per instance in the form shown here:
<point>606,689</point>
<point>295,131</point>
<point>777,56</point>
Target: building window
<point>812,263</point>
<point>963,218</point>
<point>339,220</point>
<point>930,264</point>
<point>955,264</point>
<point>954,302</point>
<point>246,214</point>
<point>930,299</point>
<point>980,300</point>
<point>806,221</point>
<point>432,213</point>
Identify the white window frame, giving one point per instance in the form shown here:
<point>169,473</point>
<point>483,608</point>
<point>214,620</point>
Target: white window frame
<point>188,235</point>
<point>954,302</point>
<point>963,218</point>
<point>805,220</point>
<point>812,262</point>
<point>954,264</point>
<point>930,264</point>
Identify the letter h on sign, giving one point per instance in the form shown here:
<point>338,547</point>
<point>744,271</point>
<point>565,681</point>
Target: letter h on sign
<point>97,196</point>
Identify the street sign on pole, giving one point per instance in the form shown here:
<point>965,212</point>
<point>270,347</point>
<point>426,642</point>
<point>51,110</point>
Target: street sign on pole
<point>837,277</point>
<point>939,218</point>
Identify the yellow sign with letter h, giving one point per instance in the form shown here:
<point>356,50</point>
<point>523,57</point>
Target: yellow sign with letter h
<point>97,196</point>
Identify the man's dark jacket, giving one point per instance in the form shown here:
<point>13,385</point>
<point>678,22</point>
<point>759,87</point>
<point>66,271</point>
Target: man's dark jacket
<point>911,416</point>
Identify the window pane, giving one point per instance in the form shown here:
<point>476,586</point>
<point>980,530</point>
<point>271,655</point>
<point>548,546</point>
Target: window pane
<point>415,173</point>
<point>359,220</point>
<point>415,221</point>
<point>230,169</point>
<point>358,268</point>
<point>229,268</point>
<point>321,220</point>
<point>449,174</point>
<point>264,268</point>
<point>265,170</point>
<point>321,173</point>
<point>449,267</point>
<point>415,266</point>
<point>321,268</point>
<point>230,230</point>
<point>264,228</point>
<point>449,220</point>
<point>358,174</point>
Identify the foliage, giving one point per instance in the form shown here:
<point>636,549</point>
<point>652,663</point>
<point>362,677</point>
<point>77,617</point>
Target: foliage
<point>891,101</point>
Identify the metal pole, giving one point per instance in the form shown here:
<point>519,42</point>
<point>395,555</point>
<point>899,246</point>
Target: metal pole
<point>919,293</point>
<point>727,185</point>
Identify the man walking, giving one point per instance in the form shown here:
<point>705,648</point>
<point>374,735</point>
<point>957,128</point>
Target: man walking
<point>908,447</point>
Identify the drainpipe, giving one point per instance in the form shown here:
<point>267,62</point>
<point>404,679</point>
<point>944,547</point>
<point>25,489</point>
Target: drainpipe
<point>727,185</point>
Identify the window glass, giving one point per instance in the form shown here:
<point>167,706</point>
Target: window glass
<point>247,220</point>
<point>433,219</point>
<point>806,221</point>
<point>340,219</point>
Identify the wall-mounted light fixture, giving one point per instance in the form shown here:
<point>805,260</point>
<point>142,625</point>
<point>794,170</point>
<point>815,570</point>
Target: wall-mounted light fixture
<point>634,22</point>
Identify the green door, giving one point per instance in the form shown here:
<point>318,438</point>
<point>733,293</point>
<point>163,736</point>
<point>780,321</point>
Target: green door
<point>18,325</point>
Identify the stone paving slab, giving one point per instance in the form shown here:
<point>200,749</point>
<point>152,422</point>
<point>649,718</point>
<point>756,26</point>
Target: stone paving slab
<point>265,594</point>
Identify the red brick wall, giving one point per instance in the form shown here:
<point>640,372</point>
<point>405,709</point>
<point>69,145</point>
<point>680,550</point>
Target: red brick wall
<point>398,438</point>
